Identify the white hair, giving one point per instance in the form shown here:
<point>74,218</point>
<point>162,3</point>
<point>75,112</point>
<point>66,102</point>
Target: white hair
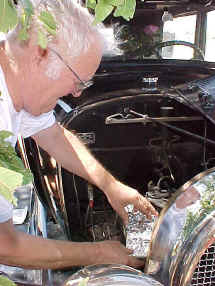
<point>75,31</point>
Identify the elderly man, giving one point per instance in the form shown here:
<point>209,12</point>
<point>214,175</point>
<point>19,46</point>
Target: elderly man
<point>31,82</point>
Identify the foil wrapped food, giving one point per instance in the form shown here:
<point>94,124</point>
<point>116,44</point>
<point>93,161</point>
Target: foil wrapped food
<point>138,232</point>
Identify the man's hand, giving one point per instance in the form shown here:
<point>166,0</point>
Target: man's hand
<point>120,195</point>
<point>28,251</point>
<point>73,155</point>
<point>114,252</point>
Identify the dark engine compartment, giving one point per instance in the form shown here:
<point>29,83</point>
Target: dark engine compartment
<point>152,136</point>
<point>150,157</point>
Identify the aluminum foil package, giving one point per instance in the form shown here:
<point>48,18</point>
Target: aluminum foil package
<point>138,232</point>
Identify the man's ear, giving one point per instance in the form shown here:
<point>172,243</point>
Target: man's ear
<point>42,52</point>
<point>40,55</point>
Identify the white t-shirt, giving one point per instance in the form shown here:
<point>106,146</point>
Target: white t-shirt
<point>19,123</point>
<point>22,122</point>
<point>6,210</point>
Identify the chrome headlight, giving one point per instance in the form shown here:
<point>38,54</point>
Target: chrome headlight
<point>111,274</point>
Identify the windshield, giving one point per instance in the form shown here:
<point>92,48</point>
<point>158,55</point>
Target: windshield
<point>161,35</point>
<point>179,29</point>
<point>210,37</point>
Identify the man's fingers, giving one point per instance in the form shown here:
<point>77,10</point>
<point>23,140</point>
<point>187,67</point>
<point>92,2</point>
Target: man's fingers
<point>129,251</point>
<point>135,262</point>
<point>143,205</point>
<point>132,260</point>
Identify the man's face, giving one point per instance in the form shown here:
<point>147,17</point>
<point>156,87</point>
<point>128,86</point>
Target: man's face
<point>47,91</point>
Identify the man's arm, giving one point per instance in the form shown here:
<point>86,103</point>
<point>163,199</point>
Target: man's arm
<point>27,251</point>
<point>67,149</point>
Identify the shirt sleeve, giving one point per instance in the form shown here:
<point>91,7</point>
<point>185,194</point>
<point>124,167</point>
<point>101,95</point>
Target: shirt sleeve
<point>31,125</point>
<point>6,210</point>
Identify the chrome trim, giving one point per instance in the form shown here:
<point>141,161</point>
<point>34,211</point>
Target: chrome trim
<point>113,120</point>
<point>205,272</point>
<point>150,79</point>
<point>21,146</point>
<point>65,223</point>
<point>183,232</point>
<point>49,171</point>
<point>35,225</point>
<point>42,215</point>
<point>64,106</point>
<point>111,274</point>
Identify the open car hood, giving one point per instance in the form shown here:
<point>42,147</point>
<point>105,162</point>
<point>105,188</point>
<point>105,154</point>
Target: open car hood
<point>190,82</point>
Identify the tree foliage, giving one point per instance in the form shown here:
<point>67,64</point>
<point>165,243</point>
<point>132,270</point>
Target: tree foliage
<point>12,171</point>
<point>119,8</point>
<point>9,17</point>
<point>4,281</point>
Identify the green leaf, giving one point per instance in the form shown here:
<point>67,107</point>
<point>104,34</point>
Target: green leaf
<point>102,11</point>
<point>28,7</point>
<point>4,281</point>
<point>23,34</point>
<point>8,16</point>
<point>8,182</point>
<point>46,18</point>
<point>42,39</point>
<point>3,135</point>
<point>25,19</point>
<point>83,282</point>
<point>126,10</point>
<point>91,4</point>
<point>49,23</point>
<point>12,171</point>
<point>115,2</point>
<point>49,30</point>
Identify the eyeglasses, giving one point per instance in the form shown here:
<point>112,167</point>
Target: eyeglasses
<point>82,85</point>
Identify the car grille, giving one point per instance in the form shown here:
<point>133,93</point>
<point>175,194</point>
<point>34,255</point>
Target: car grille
<point>205,271</point>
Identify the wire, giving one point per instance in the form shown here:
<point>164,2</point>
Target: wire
<point>77,200</point>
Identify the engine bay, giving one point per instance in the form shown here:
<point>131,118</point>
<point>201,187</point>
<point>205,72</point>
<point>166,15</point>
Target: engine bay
<point>152,142</point>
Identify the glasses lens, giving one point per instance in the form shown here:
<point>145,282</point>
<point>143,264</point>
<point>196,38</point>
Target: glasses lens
<point>88,83</point>
<point>83,85</point>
